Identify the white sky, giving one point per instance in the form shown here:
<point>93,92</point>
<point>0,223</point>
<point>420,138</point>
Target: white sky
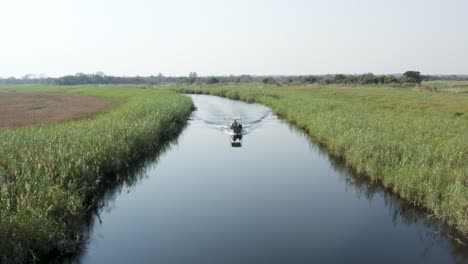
<point>216,37</point>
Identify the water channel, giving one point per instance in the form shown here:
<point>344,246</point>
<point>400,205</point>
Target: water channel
<point>278,198</point>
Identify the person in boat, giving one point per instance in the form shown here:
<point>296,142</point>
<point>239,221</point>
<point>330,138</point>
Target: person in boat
<point>234,125</point>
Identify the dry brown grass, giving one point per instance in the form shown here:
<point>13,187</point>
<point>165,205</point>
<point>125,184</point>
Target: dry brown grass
<point>21,109</point>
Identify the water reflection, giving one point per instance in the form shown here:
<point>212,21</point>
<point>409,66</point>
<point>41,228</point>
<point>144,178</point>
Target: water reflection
<point>437,234</point>
<point>236,140</point>
<point>279,199</point>
<point>113,185</point>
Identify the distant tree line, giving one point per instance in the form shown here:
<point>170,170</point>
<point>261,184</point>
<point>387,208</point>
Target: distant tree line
<point>446,77</point>
<point>193,78</point>
<point>367,78</point>
<point>101,78</point>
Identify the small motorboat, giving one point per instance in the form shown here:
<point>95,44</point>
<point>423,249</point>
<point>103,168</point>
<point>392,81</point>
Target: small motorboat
<point>236,132</point>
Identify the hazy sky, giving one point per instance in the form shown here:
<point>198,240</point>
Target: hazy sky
<point>216,37</point>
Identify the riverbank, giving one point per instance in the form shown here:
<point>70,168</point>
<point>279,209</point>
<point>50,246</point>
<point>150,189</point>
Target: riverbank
<point>49,175</point>
<point>413,142</point>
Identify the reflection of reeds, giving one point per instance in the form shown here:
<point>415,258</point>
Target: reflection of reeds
<point>106,192</point>
<point>403,212</point>
<point>50,175</point>
<point>414,143</point>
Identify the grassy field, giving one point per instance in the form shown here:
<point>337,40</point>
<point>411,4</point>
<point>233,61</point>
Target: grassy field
<point>414,142</point>
<point>446,86</point>
<point>50,174</point>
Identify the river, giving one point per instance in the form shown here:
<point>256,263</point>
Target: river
<point>279,198</point>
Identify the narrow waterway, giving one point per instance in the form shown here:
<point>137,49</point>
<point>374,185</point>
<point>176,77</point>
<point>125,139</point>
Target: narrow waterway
<point>279,198</point>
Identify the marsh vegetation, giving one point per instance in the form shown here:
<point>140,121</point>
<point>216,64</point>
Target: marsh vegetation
<point>410,140</point>
<point>49,174</point>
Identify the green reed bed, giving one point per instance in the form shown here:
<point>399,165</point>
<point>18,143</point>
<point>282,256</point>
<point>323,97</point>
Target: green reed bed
<point>49,174</point>
<point>414,142</point>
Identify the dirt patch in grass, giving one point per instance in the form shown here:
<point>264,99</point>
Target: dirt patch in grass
<point>21,109</point>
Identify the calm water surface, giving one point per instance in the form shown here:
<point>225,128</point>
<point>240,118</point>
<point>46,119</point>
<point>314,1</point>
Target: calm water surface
<point>277,199</point>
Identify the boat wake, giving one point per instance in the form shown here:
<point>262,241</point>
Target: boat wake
<point>217,113</point>
<point>221,123</point>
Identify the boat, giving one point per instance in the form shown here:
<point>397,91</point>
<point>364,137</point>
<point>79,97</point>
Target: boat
<point>236,132</point>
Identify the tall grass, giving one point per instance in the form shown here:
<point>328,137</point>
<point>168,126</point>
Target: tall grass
<point>49,174</point>
<point>414,143</point>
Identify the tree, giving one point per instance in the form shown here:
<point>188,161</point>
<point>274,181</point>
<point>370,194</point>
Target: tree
<point>380,79</point>
<point>28,76</point>
<point>351,79</point>
<point>367,78</point>
<point>268,80</point>
<point>246,78</point>
<point>212,80</point>
<point>339,78</point>
<point>390,79</point>
<point>310,79</point>
<point>412,77</point>
<point>192,77</point>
